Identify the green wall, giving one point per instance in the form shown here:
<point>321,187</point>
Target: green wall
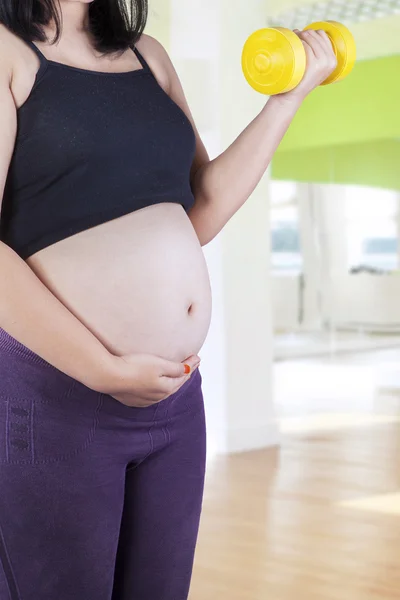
<point>347,132</point>
<point>375,164</point>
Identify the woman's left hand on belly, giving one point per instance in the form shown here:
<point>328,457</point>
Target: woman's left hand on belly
<point>141,380</point>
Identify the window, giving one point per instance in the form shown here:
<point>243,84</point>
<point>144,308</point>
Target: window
<point>372,228</point>
<point>285,236</point>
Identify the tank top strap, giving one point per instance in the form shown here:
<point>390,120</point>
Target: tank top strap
<point>142,60</point>
<point>41,56</point>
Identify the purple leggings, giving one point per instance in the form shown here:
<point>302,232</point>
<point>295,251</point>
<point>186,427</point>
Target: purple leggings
<point>98,501</point>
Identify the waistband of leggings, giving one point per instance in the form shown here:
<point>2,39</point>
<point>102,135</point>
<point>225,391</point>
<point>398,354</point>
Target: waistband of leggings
<point>10,344</point>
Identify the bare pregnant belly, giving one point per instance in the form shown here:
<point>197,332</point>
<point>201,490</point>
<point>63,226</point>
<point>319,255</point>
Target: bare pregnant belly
<point>139,282</point>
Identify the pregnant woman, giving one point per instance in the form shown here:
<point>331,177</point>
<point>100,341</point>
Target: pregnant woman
<point>108,196</point>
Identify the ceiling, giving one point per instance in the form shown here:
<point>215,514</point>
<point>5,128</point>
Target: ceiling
<point>374,23</point>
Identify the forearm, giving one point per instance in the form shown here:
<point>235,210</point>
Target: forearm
<point>223,185</point>
<point>36,318</point>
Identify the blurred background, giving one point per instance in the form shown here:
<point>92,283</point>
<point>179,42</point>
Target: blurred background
<point>302,366</point>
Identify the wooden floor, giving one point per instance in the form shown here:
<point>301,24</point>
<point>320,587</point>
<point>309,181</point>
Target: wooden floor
<point>319,518</point>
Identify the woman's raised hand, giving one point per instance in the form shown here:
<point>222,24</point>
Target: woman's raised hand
<point>321,61</point>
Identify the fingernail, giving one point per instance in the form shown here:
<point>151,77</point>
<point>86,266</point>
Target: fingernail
<point>187,369</point>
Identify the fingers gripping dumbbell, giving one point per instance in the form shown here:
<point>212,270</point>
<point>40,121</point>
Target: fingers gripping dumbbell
<point>274,60</point>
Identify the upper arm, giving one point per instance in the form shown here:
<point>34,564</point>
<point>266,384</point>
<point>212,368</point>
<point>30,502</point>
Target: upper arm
<point>8,114</point>
<point>163,69</point>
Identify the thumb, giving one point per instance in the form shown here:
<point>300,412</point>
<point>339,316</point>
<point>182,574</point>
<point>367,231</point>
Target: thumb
<point>172,369</point>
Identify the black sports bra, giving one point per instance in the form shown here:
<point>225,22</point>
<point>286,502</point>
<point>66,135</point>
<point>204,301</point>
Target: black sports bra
<point>90,147</point>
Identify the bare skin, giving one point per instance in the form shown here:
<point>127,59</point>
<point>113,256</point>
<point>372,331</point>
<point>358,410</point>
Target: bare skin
<point>142,286</point>
<point>122,306</point>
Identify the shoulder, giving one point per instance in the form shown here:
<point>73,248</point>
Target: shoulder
<point>152,47</point>
<point>157,58</point>
<point>8,46</point>
<point>16,59</point>
<point>5,36</point>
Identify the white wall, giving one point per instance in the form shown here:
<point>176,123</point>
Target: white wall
<point>333,297</point>
<point>205,40</point>
<point>251,419</point>
<point>286,302</point>
<point>367,301</point>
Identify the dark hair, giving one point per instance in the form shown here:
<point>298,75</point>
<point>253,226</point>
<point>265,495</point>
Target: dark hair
<point>114,24</point>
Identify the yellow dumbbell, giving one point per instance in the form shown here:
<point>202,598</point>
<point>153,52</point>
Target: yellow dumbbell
<point>274,60</point>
